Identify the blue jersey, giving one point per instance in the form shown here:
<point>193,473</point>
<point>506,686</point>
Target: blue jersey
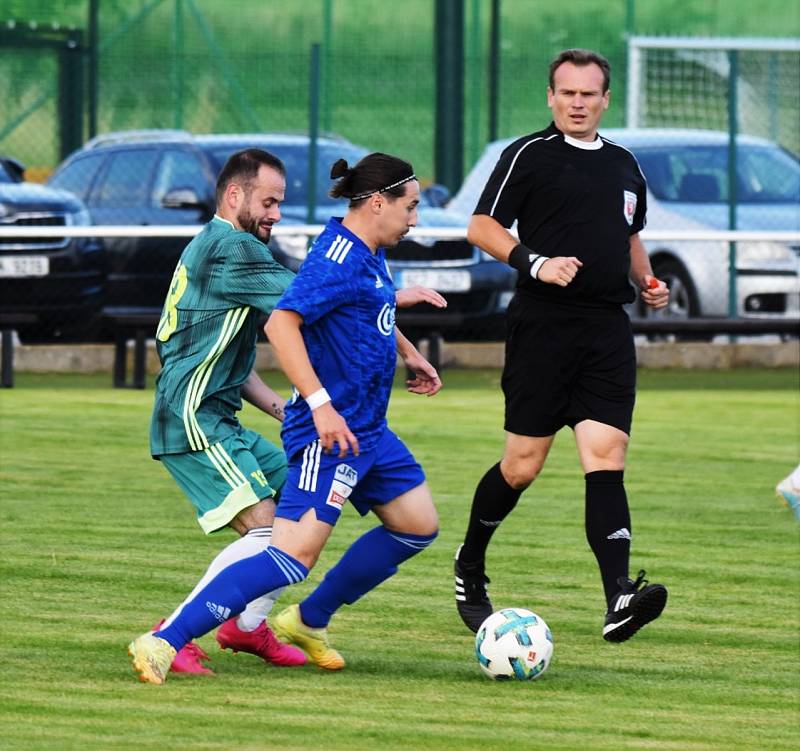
<point>346,298</point>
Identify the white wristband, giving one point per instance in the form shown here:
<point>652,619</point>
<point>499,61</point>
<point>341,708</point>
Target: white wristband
<point>537,264</point>
<point>317,399</point>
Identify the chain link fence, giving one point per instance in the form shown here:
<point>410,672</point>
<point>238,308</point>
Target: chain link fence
<point>368,75</point>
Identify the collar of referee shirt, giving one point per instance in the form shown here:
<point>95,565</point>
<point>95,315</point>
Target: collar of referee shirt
<point>585,145</point>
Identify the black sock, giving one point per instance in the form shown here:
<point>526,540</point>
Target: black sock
<point>494,499</point>
<point>608,526</point>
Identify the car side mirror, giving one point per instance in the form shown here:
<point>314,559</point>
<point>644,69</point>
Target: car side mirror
<point>182,198</point>
<point>436,195</point>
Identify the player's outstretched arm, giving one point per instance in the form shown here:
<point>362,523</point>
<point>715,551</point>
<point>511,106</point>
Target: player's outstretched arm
<point>409,296</point>
<point>255,391</point>
<point>426,380</point>
<point>283,331</point>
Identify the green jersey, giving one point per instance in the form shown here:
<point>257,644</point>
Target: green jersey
<point>206,338</point>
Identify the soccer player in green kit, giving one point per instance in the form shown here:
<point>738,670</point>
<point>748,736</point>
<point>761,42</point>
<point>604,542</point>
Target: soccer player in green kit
<point>225,282</point>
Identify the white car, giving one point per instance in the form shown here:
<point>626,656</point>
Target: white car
<point>687,179</point>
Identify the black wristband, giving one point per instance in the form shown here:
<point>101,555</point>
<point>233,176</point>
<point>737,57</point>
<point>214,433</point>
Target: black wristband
<point>521,258</point>
<point>524,260</point>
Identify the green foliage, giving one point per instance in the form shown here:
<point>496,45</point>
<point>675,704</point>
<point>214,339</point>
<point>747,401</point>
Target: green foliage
<point>97,544</point>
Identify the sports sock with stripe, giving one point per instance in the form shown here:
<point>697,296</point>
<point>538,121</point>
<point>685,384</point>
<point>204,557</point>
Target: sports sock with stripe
<point>494,500</point>
<point>255,541</point>
<point>227,594</point>
<point>370,560</point>
<point>608,526</point>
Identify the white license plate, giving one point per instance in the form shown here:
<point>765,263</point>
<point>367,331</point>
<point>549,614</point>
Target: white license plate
<point>24,266</point>
<point>442,280</point>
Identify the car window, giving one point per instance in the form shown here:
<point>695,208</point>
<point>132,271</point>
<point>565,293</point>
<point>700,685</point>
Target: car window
<point>78,175</point>
<point>699,174</point>
<point>125,183</point>
<point>179,169</point>
<point>5,177</point>
<point>295,159</point>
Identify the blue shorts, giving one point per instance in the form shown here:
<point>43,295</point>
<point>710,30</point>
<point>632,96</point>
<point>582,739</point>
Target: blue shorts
<point>326,482</point>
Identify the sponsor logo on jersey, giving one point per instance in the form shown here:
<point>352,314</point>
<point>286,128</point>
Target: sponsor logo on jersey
<point>386,319</point>
<point>378,282</point>
<point>628,205</point>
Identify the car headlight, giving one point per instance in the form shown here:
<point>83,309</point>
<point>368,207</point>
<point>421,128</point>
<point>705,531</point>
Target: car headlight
<point>763,251</point>
<point>294,246</point>
<point>80,218</point>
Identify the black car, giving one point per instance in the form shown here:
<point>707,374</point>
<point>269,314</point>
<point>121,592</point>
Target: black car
<point>168,178</point>
<point>56,281</point>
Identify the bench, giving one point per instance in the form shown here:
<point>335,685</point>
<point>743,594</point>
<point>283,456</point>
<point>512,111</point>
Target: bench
<point>138,324</point>
<point>8,324</point>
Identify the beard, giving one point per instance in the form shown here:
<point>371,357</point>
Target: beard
<point>251,225</point>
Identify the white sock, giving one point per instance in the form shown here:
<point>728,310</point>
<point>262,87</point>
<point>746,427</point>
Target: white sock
<point>254,542</point>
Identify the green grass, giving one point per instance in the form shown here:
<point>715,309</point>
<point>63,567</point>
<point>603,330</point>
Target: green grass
<point>96,544</point>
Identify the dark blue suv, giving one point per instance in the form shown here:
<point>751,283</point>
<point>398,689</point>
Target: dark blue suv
<point>168,178</point>
<point>56,282</point>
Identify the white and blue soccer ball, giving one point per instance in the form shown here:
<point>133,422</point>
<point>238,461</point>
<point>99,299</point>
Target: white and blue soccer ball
<point>514,644</point>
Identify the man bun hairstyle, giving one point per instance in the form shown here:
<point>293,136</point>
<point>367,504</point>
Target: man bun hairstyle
<point>581,58</point>
<point>375,173</point>
<point>243,167</point>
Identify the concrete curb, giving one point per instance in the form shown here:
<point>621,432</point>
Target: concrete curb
<point>96,358</point>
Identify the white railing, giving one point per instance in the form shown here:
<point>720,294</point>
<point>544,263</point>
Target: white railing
<point>311,230</point>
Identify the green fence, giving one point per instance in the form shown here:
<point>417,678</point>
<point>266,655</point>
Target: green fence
<point>430,80</point>
<point>243,65</point>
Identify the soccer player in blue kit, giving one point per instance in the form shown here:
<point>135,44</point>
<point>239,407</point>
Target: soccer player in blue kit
<point>334,334</point>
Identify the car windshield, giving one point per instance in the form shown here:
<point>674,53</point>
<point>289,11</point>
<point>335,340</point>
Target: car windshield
<point>295,158</point>
<point>699,174</point>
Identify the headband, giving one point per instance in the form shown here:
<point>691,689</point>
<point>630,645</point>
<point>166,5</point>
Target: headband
<point>383,190</point>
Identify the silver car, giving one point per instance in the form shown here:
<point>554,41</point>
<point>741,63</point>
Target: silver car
<point>687,178</point>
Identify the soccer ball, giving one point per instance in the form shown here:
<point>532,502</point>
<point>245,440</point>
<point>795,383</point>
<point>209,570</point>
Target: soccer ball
<point>514,644</point>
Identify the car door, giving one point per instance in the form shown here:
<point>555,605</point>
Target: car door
<point>182,193</point>
<point>121,196</point>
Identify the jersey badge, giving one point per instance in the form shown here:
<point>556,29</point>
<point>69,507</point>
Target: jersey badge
<point>628,205</point>
<point>386,319</point>
<point>378,282</point>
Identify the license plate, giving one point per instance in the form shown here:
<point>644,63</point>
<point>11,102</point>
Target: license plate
<point>442,280</point>
<point>24,266</point>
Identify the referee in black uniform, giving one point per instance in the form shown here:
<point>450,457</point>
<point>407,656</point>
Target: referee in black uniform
<point>579,201</point>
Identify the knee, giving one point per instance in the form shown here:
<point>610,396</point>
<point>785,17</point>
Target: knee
<point>520,473</point>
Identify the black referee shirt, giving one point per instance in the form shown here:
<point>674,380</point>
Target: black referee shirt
<point>571,200</point>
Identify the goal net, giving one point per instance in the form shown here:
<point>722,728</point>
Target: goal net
<point>688,82</point>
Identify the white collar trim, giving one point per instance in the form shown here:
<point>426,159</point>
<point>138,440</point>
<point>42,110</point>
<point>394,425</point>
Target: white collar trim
<point>217,216</point>
<point>586,145</point>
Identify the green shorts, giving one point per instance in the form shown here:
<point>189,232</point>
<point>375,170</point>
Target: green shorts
<point>229,476</point>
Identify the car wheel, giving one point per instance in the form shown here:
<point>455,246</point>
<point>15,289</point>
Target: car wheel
<point>683,302</point>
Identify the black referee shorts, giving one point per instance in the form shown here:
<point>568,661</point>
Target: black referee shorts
<point>565,364</point>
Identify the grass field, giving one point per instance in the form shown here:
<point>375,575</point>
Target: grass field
<point>96,544</point>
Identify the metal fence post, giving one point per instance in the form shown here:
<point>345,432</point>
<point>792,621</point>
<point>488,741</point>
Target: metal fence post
<point>494,70</point>
<point>733,127</point>
<point>177,65</point>
<point>313,134</point>
<point>449,139</point>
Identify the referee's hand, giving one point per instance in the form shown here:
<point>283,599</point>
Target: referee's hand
<point>333,431</point>
<point>559,270</point>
